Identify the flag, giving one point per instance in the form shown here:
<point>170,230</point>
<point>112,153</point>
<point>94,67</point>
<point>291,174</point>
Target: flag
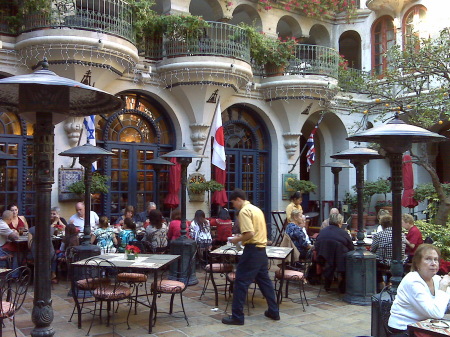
<point>89,124</point>
<point>311,154</point>
<point>218,155</point>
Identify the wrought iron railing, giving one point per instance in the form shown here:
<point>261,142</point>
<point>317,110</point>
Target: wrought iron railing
<point>313,60</point>
<point>105,16</point>
<point>219,39</point>
<point>350,79</point>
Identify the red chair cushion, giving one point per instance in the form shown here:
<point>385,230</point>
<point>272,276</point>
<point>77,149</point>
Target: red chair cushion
<point>219,267</point>
<point>131,277</point>
<point>290,275</point>
<point>170,286</point>
<point>111,292</point>
<point>92,283</point>
<point>7,309</point>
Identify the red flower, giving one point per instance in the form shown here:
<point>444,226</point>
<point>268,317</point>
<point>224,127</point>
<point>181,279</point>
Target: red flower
<point>132,249</point>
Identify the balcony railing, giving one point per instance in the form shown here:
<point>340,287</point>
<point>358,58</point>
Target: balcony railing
<point>219,39</point>
<point>310,60</point>
<point>104,16</point>
<point>8,17</point>
<point>350,79</point>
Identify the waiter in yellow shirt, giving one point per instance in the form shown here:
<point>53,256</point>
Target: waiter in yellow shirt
<point>253,264</point>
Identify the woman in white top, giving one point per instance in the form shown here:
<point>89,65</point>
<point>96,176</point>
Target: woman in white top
<point>421,294</point>
<point>200,230</point>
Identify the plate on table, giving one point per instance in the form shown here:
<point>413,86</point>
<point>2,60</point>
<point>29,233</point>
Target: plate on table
<point>437,323</point>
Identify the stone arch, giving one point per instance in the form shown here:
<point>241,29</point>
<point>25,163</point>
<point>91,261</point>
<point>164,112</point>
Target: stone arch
<point>288,27</point>
<point>350,48</point>
<point>318,35</point>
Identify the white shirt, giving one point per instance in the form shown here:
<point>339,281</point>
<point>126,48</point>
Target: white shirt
<point>5,231</point>
<point>414,301</point>
<point>307,237</point>
<point>79,222</point>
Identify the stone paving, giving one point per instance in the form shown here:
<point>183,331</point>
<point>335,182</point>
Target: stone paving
<point>327,315</point>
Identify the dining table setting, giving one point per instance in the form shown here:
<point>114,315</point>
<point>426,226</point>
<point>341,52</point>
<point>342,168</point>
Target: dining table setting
<point>430,328</point>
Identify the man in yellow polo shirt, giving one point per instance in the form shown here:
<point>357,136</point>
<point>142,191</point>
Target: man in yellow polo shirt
<point>253,264</point>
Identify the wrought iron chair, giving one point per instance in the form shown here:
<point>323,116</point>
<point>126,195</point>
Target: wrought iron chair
<point>176,283</point>
<point>13,290</point>
<point>292,275</point>
<point>386,297</point>
<point>97,270</point>
<point>212,265</point>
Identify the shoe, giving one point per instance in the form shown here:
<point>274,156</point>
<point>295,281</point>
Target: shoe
<point>275,317</point>
<point>231,321</point>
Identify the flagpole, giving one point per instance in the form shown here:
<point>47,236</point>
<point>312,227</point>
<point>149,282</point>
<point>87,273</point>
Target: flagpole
<point>200,162</point>
<point>304,147</point>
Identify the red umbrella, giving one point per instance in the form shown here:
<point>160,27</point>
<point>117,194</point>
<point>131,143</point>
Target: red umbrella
<point>408,183</point>
<point>220,197</point>
<point>172,200</point>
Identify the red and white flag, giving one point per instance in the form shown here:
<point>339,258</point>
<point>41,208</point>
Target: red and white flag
<point>218,155</point>
<point>311,154</point>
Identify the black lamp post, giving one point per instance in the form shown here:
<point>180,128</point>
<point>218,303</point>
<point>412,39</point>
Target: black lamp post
<point>360,263</point>
<point>184,246</point>
<point>87,154</point>
<point>395,138</point>
<point>336,167</point>
<point>47,99</point>
<point>158,164</point>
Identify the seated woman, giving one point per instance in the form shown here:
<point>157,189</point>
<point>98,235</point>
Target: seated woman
<point>104,235</point>
<point>127,213</point>
<point>127,234</point>
<point>156,232</point>
<point>421,294</point>
<point>295,231</point>
<point>70,239</point>
<point>224,227</point>
<point>296,201</point>
<point>200,230</point>
<point>175,226</point>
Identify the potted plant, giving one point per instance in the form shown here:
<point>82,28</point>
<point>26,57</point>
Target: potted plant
<point>197,189</point>
<point>304,186</point>
<point>99,185</point>
<point>273,54</point>
<point>131,252</point>
<point>351,200</point>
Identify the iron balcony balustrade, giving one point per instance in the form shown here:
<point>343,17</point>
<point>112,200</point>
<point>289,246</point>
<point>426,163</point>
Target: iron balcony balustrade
<point>104,16</point>
<point>350,78</point>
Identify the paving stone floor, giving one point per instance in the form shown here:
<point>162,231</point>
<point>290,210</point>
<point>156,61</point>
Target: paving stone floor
<point>327,316</point>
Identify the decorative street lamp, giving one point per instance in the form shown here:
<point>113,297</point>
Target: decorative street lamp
<point>184,246</point>
<point>395,138</point>
<point>87,154</point>
<point>158,164</point>
<point>360,263</point>
<point>47,99</point>
<point>336,167</point>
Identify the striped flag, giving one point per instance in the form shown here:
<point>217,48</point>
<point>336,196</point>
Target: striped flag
<point>89,124</point>
<point>311,154</point>
<point>218,155</point>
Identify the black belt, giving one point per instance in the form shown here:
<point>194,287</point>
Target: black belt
<point>254,245</point>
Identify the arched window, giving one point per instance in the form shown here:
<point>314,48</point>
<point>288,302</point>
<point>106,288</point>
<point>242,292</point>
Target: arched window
<point>383,37</point>
<point>412,23</point>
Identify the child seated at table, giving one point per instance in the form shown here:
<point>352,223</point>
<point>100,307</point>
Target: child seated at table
<point>104,236</point>
<point>127,234</point>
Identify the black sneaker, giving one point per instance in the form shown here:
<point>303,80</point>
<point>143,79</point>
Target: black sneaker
<point>231,321</point>
<point>275,317</point>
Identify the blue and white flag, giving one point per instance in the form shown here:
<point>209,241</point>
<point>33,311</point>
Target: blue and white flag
<point>89,124</point>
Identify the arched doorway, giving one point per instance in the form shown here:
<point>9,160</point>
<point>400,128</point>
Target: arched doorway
<point>139,132</point>
<point>247,147</point>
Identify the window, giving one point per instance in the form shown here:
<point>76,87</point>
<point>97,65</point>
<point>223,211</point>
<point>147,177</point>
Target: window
<point>383,37</point>
<point>412,22</point>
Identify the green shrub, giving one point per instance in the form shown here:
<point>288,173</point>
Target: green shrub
<point>439,234</point>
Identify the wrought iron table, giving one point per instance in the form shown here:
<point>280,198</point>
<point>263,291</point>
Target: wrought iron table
<point>144,262</point>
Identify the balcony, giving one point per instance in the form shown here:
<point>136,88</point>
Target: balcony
<point>388,5</point>
<point>103,16</point>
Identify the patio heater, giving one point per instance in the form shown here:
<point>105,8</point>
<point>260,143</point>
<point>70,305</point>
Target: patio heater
<point>158,164</point>
<point>46,99</point>
<point>336,167</point>
<point>395,138</point>
<point>87,154</point>
<point>360,264</point>
<point>184,246</point>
